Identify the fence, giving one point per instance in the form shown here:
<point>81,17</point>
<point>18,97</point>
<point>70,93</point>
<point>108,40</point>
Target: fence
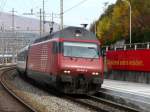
<point>133,46</point>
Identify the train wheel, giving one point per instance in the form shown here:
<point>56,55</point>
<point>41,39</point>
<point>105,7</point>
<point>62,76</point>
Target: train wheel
<point>59,83</point>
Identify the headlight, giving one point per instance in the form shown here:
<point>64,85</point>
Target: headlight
<point>67,72</point>
<point>95,73</point>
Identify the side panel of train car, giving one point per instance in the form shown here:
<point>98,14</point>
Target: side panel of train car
<point>21,60</point>
<point>42,62</point>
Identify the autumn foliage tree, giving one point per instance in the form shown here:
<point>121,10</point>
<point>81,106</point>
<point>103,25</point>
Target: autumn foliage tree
<point>113,24</point>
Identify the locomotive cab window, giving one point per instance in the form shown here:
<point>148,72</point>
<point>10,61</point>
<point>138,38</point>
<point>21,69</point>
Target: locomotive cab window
<point>83,50</point>
<point>57,47</point>
<point>22,56</point>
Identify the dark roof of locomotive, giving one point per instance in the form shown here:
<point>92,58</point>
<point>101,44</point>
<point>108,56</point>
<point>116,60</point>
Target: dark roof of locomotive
<point>70,32</point>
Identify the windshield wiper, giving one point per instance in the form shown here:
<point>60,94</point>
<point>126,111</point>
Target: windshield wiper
<point>97,53</point>
<point>94,57</point>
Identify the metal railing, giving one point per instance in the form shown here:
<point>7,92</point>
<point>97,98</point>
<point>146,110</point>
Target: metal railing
<point>134,46</point>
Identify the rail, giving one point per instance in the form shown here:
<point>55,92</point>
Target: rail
<point>101,104</point>
<point>84,102</point>
<point>112,104</point>
<point>4,84</point>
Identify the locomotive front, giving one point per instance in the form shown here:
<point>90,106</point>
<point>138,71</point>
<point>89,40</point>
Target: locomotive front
<point>71,62</point>
<point>81,67</point>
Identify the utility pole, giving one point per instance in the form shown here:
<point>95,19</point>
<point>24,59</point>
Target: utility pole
<point>13,19</point>
<point>61,14</point>
<point>40,25</point>
<point>95,26</point>
<point>3,51</point>
<point>40,22</point>
<point>52,23</point>
<point>130,7</point>
<point>13,29</point>
<point>43,16</point>
<point>52,17</point>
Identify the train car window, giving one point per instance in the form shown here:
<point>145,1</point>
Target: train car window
<point>60,47</point>
<point>22,56</point>
<point>57,47</point>
<point>54,48</point>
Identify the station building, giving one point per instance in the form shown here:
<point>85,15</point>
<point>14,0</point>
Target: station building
<point>12,42</point>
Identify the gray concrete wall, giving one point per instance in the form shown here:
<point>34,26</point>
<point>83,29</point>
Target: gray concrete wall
<point>132,76</point>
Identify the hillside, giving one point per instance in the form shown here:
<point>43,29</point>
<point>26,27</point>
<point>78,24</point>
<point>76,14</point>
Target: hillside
<point>22,23</point>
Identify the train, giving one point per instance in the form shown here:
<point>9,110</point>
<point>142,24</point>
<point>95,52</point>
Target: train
<point>70,60</point>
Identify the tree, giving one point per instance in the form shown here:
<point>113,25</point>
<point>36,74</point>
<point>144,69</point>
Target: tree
<point>113,24</point>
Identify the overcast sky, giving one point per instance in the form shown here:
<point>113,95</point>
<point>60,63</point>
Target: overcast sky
<point>86,12</point>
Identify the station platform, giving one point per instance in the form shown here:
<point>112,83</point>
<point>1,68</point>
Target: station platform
<point>128,87</point>
<point>135,94</point>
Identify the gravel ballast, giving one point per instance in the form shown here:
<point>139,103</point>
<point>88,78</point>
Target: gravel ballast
<point>44,101</point>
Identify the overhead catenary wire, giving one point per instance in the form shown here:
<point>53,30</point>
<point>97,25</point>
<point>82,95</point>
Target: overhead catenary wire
<point>78,4</point>
<point>3,3</point>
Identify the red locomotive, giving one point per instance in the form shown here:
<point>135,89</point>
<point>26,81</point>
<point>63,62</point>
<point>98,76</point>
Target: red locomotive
<point>70,60</point>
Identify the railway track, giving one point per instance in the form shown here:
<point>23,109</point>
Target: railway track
<point>92,102</point>
<point>101,104</point>
<point>112,104</point>
<point>84,102</point>
<point>3,81</point>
